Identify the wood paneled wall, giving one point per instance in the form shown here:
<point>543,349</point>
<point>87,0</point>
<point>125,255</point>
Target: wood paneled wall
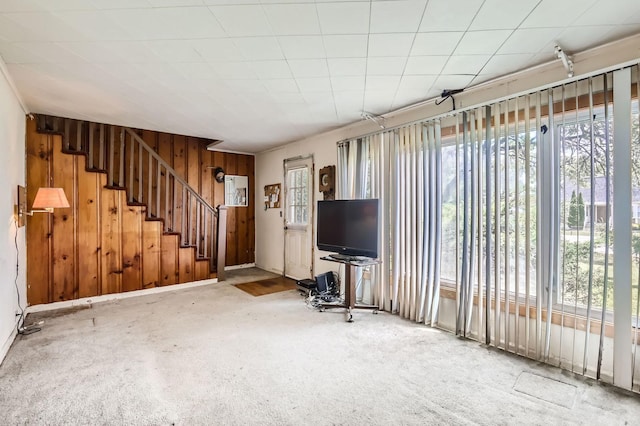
<point>101,244</point>
<point>189,157</point>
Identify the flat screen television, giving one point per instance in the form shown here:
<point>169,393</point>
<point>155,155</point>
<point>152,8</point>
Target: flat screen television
<point>348,227</point>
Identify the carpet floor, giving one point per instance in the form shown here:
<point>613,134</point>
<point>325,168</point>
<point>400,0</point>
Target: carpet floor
<point>216,355</point>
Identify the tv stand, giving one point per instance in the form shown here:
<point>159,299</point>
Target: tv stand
<point>351,263</point>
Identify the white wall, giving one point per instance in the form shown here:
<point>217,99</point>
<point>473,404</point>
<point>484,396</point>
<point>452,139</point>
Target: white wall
<point>12,163</point>
<point>269,164</point>
<point>270,222</point>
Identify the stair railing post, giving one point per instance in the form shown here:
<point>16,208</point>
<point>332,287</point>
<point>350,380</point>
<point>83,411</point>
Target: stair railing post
<point>221,238</point>
<point>158,176</point>
<point>112,137</point>
<point>121,171</point>
<point>66,141</point>
<point>185,209</point>
<point>149,200</point>
<point>101,154</point>
<point>131,159</point>
<point>140,155</point>
<point>167,222</point>
<point>197,228</point>
<point>79,136</point>
<point>91,132</point>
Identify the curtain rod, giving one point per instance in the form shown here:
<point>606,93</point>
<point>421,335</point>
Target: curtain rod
<point>500,99</point>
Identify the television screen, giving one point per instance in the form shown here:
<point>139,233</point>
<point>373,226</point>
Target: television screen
<point>348,227</point>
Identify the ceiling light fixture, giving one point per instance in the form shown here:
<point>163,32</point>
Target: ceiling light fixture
<point>378,119</point>
<point>566,60</point>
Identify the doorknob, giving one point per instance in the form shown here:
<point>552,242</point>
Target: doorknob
<point>286,227</point>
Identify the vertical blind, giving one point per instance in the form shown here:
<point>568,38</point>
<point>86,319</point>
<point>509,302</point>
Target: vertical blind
<point>513,223</point>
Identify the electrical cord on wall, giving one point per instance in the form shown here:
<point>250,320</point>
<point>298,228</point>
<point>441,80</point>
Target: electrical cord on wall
<point>20,328</point>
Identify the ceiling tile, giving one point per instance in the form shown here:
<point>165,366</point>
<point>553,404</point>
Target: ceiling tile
<point>277,1</point>
<point>553,13</point>
<point>421,83</point>
<point>390,44</point>
<point>60,5</point>
<point>174,50</point>
<point>20,6</point>
<point>281,17</point>
<point>259,48</point>
<point>349,100</point>
<point>347,66</point>
<point>45,26</point>
<point>302,47</point>
<point>14,53</point>
<point>302,68</point>
<point>344,18</point>
<point>447,15</point>
<point>504,64</point>
<point>95,25</point>
<point>195,70</point>
<point>575,39</point>
<point>465,64</point>
<point>382,83</point>
<point>342,83</point>
<point>396,16</point>
<point>529,40</point>
<point>288,98</point>
<point>245,86</point>
<point>502,14</point>
<point>13,31</point>
<point>119,4</point>
<point>345,46</point>
<point>271,69</point>
<point>133,51</point>
<point>234,70</point>
<point>196,22</point>
<point>404,98</point>
<point>420,65</point>
<point>242,20</point>
<point>93,51</point>
<point>608,12</point>
<point>378,101</point>
<point>217,50</point>
<point>385,66</point>
<point>441,43</point>
<point>451,81</point>
<point>478,42</point>
<point>170,3</point>
<point>144,24</point>
<point>322,84</point>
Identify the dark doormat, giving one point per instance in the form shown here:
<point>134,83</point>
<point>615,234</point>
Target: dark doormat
<point>268,286</point>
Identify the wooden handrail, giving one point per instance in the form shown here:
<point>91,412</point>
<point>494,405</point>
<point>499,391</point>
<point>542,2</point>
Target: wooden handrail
<point>169,169</point>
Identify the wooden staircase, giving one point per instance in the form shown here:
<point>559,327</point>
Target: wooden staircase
<point>134,221</point>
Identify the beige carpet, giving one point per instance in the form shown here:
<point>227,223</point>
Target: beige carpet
<point>214,355</point>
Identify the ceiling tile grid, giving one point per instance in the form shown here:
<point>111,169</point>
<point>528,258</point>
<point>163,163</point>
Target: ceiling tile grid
<point>290,68</point>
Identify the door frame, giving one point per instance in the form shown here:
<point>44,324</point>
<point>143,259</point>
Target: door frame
<point>312,200</point>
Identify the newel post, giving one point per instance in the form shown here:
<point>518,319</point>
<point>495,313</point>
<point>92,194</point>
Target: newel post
<point>222,241</point>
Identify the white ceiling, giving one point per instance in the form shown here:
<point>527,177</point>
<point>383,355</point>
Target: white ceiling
<point>261,73</point>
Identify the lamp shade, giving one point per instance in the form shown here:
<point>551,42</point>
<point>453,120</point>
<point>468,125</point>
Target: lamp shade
<point>50,198</point>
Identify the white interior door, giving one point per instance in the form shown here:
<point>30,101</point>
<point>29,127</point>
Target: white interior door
<point>298,221</point>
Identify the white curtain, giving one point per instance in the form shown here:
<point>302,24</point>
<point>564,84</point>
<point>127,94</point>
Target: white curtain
<point>361,174</point>
<point>416,190</point>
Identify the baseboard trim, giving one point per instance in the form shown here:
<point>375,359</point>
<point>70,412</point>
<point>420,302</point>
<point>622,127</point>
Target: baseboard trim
<point>4,350</point>
<point>116,296</point>
<point>243,266</point>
